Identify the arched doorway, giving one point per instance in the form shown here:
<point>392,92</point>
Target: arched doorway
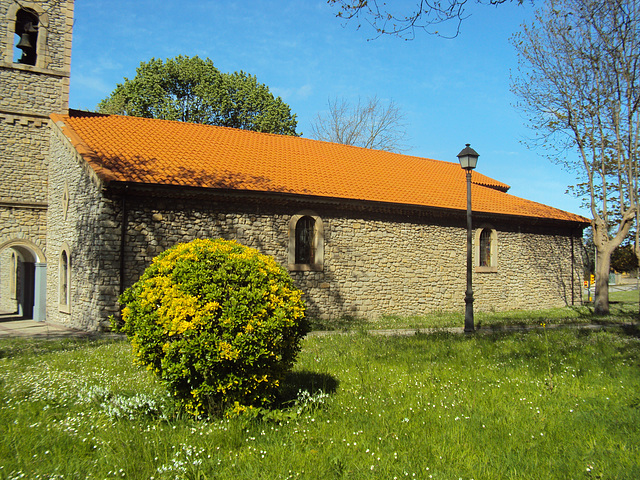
<point>23,280</point>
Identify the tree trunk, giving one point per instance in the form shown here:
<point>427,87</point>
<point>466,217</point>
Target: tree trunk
<point>603,266</point>
<point>605,245</point>
<point>637,250</point>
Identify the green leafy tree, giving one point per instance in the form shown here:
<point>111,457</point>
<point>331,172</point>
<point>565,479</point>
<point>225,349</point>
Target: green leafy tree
<point>190,89</point>
<point>579,84</point>
<point>623,259</point>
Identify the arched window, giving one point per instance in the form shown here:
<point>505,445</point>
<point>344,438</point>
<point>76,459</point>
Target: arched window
<point>305,233</point>
<point>26,31</point>
<point>486,250</point>
<point>306,242</point>
<point>64,281</point>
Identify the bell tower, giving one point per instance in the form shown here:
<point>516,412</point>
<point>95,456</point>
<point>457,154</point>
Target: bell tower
<point>35,64</point>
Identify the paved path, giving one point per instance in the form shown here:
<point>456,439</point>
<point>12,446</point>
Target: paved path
<point>12,326</point>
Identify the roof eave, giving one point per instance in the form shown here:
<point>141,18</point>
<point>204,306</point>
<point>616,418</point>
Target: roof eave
<point>181,191</point>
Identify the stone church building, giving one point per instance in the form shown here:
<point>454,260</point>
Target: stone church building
<point>35,60</point>
<point>87,200</point>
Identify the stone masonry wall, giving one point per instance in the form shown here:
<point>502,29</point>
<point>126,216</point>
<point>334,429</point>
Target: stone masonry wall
<point>56,23</point>
<point>24,143</point>
<point>535,270</point>
<point>155,226</point>
<point>8,302</point>
<point>373,264</point>
<point>87,227</point>
<point>380,267</point>
<point>32,92</point>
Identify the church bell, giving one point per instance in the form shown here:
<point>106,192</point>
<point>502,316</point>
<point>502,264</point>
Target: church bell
<point>28,31</point>
<point>25,42</point>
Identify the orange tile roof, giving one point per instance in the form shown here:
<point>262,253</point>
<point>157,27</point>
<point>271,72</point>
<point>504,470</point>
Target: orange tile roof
<point>140,150</point>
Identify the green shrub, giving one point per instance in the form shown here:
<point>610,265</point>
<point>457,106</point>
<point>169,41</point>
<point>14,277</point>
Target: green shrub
<point>218,322</point>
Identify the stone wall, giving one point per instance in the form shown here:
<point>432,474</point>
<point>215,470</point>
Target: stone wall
<point>25,143</point>
<point>54,37</point>
<point>23,188</point>
<point>8,303</point>
<point>374,264</point>
<point>23,223</point>
<point>32,93</point>
<point>28,95</point>
<point>84,223</point>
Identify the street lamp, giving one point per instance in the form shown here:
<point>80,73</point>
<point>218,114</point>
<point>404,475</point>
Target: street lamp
<point>468,159</point>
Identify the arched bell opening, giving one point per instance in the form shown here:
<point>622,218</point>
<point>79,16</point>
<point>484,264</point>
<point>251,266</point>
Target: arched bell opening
<point>26,31</point>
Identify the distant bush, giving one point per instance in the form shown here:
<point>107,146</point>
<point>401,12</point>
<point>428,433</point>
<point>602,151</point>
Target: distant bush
<point>623,259</point>
<point>218,322</point>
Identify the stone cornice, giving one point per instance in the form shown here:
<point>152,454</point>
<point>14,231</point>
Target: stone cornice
<point>16,113</point>
<point>23,205</point>
<point>36,70</point>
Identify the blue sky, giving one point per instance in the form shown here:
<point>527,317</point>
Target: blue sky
<point>451,91</point>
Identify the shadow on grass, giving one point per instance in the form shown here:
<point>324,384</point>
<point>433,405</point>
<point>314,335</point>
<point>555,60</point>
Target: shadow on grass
<point>342,323</point>
<point>619,312</point>
<point>15,347</point>
<point>631,330</point>
<point>312,382</point>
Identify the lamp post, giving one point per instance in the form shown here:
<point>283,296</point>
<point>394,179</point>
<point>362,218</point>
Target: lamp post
<point>468,159</point>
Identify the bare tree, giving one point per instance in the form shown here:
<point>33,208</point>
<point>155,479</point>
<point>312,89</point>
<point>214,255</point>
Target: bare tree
<point>370,125</point>
<point>579,84</point>
<point>426,15</point>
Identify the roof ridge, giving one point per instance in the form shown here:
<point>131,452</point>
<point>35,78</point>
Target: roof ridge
<point>241,131</point>
<point>88,114</point>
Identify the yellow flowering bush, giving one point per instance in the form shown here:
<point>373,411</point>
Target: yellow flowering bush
<point>218,322</point>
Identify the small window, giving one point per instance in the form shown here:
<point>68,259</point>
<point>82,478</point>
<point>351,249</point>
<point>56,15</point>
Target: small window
<point>26,31</point>
<point>486,249</point>
<point>306,242</point>
<point>64,280</point>
<point>305,233</point>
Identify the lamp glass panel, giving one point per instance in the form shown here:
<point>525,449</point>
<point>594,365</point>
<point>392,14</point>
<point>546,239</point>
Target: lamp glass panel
<point>468,161</point>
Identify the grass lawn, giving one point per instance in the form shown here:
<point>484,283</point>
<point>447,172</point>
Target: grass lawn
<point>623,310</point>
<point>539,404</point>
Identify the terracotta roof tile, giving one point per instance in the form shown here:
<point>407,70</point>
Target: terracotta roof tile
<point>140,150</point>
